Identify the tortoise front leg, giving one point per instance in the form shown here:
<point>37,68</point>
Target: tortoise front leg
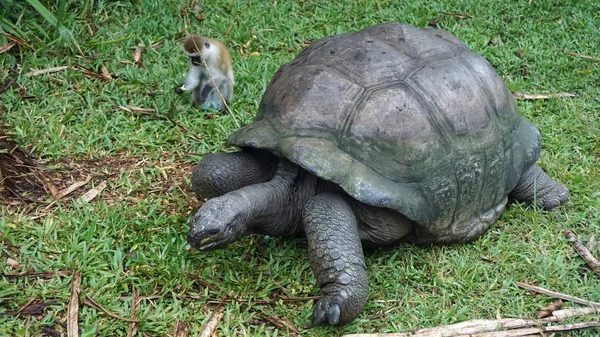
<point>336,257</point>
<point>221,173</point>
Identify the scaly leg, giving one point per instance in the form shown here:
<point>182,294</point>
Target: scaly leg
<point>336,257</point>
<point>220,173</point>
<point>535,186</point>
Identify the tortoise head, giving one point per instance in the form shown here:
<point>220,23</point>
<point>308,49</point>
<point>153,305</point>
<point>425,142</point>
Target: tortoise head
<point>219,222</point>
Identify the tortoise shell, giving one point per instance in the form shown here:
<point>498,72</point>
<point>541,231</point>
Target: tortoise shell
<point>403,118</point>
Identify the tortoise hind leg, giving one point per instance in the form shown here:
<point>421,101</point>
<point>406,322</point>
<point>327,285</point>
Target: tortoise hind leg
<point>535,186</point>
<point>221,173</point>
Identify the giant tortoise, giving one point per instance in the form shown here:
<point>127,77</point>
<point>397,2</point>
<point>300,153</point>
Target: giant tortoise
<point>388,134</point>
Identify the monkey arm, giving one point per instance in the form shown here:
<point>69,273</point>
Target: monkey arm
<point>193,79</point>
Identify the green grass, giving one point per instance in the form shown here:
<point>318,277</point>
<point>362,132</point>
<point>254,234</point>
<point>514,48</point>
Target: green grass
<point>132,236</point>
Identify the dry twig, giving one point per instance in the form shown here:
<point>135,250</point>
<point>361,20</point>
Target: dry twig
<point>581,56</point>
<point>90,302</point>
<point>213,322</point>
<point>73,187</point>
<point>45,71</point>
<point>527,96</point>
<point>91,194</point>
<point>73,314</point>
<point>505,327</point>
<point>7,47</point>
<point>583,251</point>
<point>135,306</point>
<point>558,295</point>
<point>458,15</point>
<point>151,112</point>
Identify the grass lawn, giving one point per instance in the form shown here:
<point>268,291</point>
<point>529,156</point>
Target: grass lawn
<point>131,238</point>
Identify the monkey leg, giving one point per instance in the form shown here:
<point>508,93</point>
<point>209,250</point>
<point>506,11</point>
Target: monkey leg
<point>213,99</point>
<point>221,173</point>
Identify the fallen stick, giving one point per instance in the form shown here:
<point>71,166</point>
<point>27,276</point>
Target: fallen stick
<point>558,295</point>
<point>91,194</point>
<point>135,306</point>
<point>213,322</point>
<point>583,251</point>
<point>73,313</point>
<point>90,301</point>
<point>527,96</point>
<point>585,57</point>
<point>492,328</point>
<point>73,187</point>
<point>45,71</point>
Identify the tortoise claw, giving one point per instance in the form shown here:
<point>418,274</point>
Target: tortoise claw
<point>326,311</point>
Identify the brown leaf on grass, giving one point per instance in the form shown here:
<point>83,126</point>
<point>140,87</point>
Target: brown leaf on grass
<point>549,309</point>
<point>7,47</point>
<point>458,15</point>
<point>94,192</point>
<point>527,96</point>
<point>433,23</point>
<point>102,74</point>
<point>524,70</point>
<point>496,41</point>
<point>137,56</point>
<point>73,313</point>
<point>13,263</point>
<point>105,73</point>
<point>181,329</point>
<point>212,324</point>
<point>32,307</point>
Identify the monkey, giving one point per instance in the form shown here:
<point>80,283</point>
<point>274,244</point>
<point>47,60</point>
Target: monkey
<point>202,50</point>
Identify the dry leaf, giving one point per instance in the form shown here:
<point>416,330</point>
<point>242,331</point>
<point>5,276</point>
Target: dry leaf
<point>74,186</point>
<point>548,310</point>
<point>7,47</point>
<point>496,41</point>
<point>181,329</point>
<point>13,263</point>
<point>281,323</point>
<point>137,57</point>
<point>524,70</point>
<point>433,23</point>
<point>105,73</point>
<point>73,311</point>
